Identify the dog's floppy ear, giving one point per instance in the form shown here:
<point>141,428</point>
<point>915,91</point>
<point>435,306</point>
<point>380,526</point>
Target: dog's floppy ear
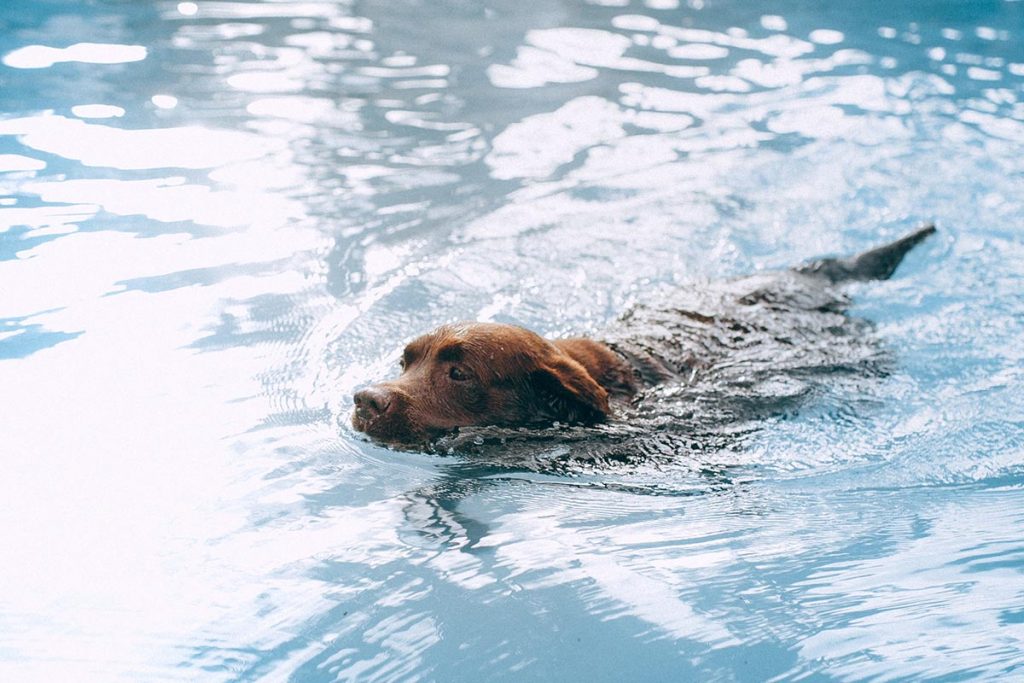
<point>566,391</point>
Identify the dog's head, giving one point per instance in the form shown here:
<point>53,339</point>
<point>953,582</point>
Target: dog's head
<point>478,374</point>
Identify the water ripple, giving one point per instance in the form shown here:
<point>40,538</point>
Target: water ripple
<point>218,219</point>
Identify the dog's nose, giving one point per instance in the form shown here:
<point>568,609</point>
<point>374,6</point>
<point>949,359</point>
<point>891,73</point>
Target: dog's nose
<point>372,402</point>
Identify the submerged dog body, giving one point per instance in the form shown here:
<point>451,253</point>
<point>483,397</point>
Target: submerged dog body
<point>738,334</point>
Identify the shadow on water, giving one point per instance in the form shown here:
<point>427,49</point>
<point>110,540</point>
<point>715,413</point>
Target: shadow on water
<point>19,340</point>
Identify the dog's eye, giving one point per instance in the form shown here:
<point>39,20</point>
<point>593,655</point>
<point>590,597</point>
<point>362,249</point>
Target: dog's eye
<point>457,374</point>
<point>401,364</point>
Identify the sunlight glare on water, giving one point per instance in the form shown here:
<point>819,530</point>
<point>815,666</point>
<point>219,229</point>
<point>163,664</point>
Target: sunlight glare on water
<point>219,219</point>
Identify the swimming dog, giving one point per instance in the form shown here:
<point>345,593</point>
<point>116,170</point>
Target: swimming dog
<point>478,374</point>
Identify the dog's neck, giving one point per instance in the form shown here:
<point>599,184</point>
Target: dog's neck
<point>605,366</point>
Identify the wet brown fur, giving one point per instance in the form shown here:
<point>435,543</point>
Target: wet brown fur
<point>504,375</point>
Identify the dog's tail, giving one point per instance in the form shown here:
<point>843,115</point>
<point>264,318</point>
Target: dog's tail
<point>877,264</point>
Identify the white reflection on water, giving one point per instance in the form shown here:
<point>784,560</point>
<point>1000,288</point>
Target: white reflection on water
<point>568,55</point>
<point>302,109</point>
<point>97,111</point>
<point>100,145</point>
<point>956,591</point>
<point>11,163</point>
<point>697,51</point>
<point>115,259</point>
<point>537,146</point>
<point>774,22</point>
<point>41,56</point>
<point>164,101</point>
<point>172,199</point>
<point>823,36</point>
<point>213,9</point>
<point>777,45</point>
<point>46,220</point>
<point>542,551</point>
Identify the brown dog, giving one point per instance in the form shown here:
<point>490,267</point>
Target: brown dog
<point>493,374</point>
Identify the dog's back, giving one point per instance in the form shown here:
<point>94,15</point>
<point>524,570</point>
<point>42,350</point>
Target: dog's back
<point>761,328</point>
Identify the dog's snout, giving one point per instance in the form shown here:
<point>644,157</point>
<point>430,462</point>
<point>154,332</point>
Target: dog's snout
<point>372,401</point>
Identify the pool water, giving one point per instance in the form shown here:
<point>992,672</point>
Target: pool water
<point>219,219</point>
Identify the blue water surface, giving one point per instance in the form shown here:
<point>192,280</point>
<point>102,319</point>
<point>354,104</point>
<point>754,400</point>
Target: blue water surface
<point>219,218</point>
